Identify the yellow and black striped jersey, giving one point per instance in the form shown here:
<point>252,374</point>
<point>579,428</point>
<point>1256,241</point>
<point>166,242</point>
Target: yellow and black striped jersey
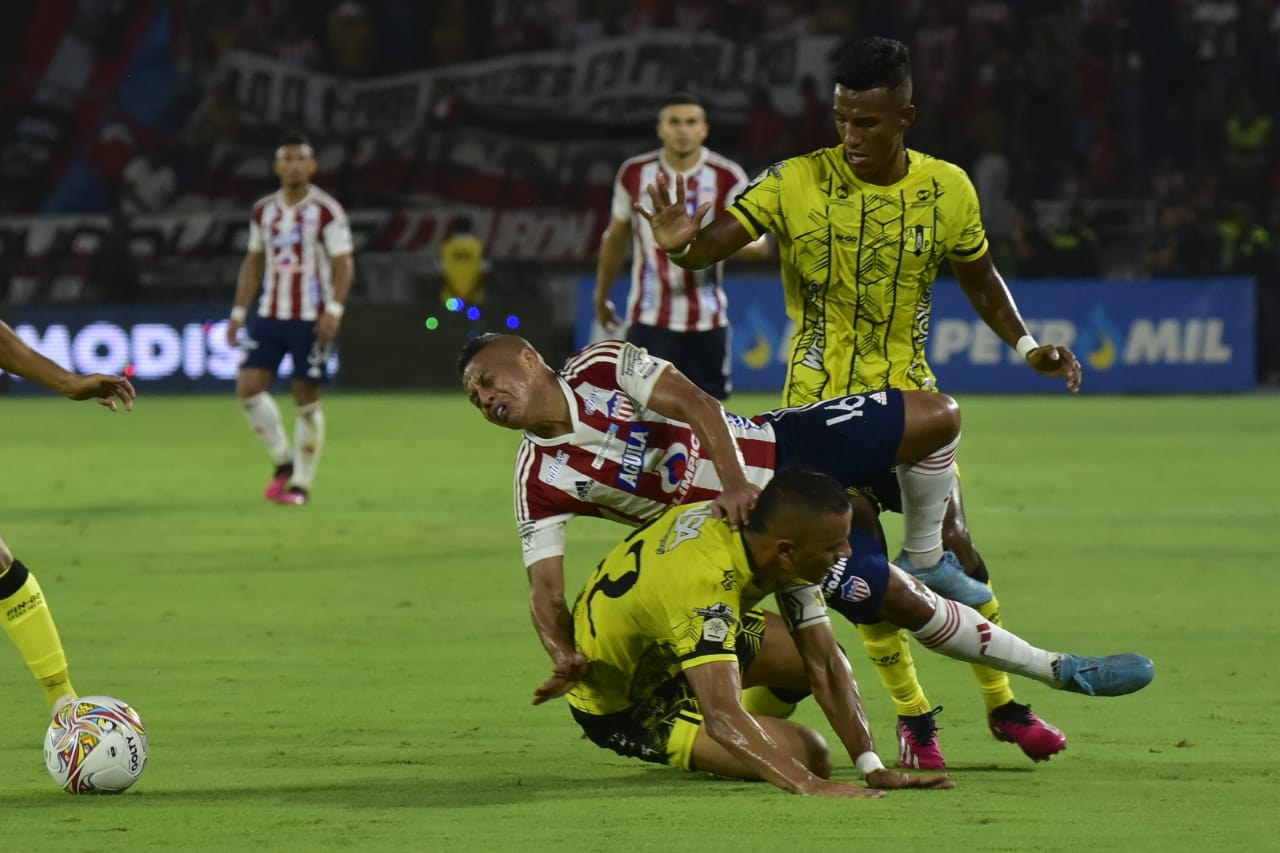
<point>858,262</point>
<point>670,597</point>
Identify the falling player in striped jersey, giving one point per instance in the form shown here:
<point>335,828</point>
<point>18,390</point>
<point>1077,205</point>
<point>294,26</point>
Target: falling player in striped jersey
<point>623,435</point>
<point>300,255</point>
<point>676,314</point>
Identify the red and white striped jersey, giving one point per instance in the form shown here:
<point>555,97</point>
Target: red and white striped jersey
<point>623,461</point>
<point>663,294</point>
<point>299,242</point>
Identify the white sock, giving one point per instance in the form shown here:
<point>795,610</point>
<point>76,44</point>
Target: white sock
<point>963,633</point>
<point>308,441</point>
<point>264,417</point>
<point>925,487</point>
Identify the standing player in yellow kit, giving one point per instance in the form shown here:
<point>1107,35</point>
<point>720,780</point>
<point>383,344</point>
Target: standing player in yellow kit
<point>862,230</point>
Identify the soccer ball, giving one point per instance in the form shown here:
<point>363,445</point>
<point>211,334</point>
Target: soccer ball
<point>95,745</point>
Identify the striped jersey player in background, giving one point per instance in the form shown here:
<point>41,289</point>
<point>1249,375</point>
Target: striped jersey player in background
<point>676,314</point>
<point>300,255</point>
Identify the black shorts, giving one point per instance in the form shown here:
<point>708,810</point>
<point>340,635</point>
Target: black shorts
<point>661,729</point>
<point>701,356</point>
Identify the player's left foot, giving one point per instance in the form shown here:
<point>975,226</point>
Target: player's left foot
<point>1015,723</point>
<point>918,741</point>
<point>948,579</point>
<point>1112,675</point>
<point>294,496</point>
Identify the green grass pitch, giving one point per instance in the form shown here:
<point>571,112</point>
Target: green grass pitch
<point>356,674</point>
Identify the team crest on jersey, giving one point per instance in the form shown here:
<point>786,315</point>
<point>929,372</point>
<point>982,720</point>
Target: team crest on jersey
<point>688,525</point>
<point>551,469</point>
<point>918,239</point>
<point>717,621</point>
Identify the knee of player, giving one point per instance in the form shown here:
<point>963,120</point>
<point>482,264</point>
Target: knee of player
<point>948,414</point>
<point>816,757</point>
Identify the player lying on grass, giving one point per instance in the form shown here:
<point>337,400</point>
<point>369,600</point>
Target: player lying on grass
<point>24,612</point>
<point>621,435</point>
<point>670,623</point>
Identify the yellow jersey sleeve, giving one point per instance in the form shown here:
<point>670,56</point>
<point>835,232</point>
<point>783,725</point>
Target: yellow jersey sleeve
<point>962,207</point>
<point>704,618</point>
<point>759,206</point>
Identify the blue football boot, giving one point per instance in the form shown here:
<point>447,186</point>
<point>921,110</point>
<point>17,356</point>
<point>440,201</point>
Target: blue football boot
<point>948,579</point>
<point>1112,675</point>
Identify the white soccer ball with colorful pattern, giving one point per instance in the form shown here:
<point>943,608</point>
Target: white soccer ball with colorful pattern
<point>95,745</point>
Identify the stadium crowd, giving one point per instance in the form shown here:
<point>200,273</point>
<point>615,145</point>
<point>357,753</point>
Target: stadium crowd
<point>1126,138</point>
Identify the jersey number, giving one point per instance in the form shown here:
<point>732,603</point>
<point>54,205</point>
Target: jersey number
<point>615,587</point>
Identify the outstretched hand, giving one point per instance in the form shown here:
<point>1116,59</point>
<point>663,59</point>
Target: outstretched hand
<point>1051,360</point>
<point>564,675</point>
<point>735,504</point>
<point>893,780</point>
<point>843,790</point>
<point>673,227</point>
<point>104,388</point>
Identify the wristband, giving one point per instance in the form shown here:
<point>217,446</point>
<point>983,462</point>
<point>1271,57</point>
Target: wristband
<point>681,253</point>
<point>868,763</point>
<point>334,309</point>
<point>1025,344</point>
<point>238,313</point>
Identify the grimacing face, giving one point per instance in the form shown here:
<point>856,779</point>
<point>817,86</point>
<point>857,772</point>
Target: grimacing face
<point>294,165</point>
<point>682,128</point>
<point>871,124</point>
<point>499,383</point>
<point>819,541</point>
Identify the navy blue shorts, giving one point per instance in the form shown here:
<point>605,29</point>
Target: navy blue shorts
<point>855,587</point>
<point>267,340</point>
<point>701,356</point>
<point>853,439</point>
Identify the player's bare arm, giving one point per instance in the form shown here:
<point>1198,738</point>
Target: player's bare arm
<point>613,253</point>
<point>344,273</point>
<point>836,692</point>
<point>674,230</point>
<point>674,396</point>
<point>16,357</point>
<point>744,739</point>
<point>756,250</point>
<point>554,625</point>
<point>990,297</point>
<point>252,268</point>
